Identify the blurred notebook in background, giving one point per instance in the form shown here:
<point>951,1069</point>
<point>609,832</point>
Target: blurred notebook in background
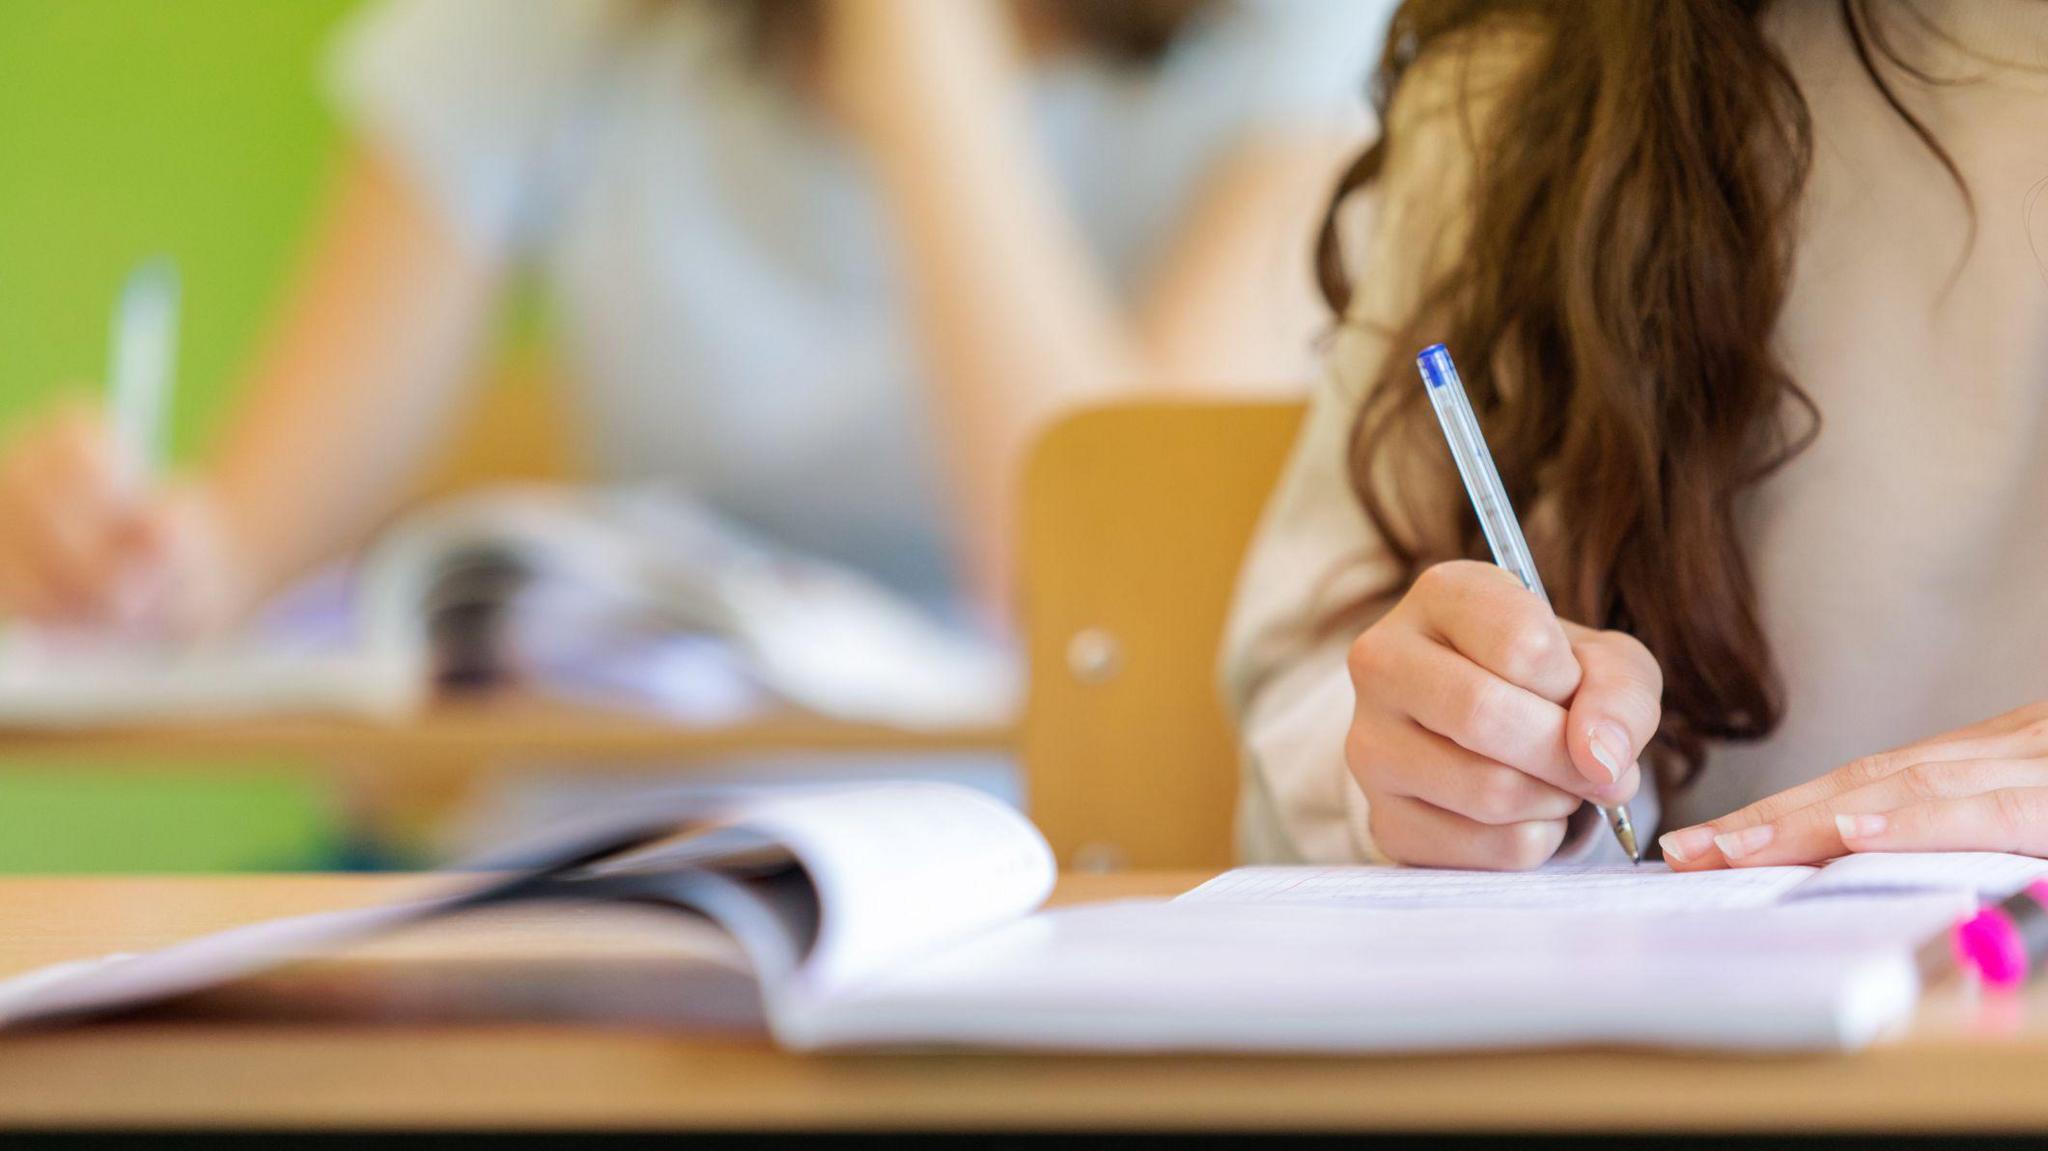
<point>909,915</point>
<point>633,597</point>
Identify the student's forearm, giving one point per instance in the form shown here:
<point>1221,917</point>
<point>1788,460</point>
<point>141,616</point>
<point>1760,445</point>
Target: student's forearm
<point>1015,318</point>
<point>363,378</point>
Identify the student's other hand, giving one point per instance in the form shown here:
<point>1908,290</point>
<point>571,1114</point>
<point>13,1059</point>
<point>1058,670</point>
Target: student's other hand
<point>1483,721</point>
<point>1983,788</point>
<point>79,545</point>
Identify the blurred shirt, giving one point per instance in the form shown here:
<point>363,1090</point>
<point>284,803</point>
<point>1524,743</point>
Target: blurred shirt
<point>719,263</point>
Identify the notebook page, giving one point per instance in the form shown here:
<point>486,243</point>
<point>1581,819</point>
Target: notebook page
<point>1222,976</point>
<point>1650,887</point>
<point>1983,874</point>
<point>902,868</point>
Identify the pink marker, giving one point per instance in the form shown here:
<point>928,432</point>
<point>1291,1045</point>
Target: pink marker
<point>2005,943</point>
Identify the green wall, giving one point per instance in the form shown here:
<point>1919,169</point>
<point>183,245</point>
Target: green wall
<point>128,128</point>
<point>131,127</point>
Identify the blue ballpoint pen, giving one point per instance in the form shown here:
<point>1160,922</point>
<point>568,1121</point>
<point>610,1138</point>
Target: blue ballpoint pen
<point>1496,516</point>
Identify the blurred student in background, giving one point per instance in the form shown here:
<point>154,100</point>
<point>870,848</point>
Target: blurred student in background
<point>1750,300</point>
<point>827,264</point>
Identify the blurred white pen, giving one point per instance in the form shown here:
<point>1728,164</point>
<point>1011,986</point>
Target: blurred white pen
<point>142,365</point>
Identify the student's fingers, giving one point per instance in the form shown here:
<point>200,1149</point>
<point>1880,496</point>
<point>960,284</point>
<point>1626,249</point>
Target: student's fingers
<point>63,511</point>
<point>1617,708</point>
<point>1414,675</point>
<point>197,582</point>
<point>60,529</point>
<point>40,574</point>
<point>2017,733</point>
<point>1697,847</point>
<point>1406,759</point>
<point>1410,831</point>
<point>24,591</point>
<point>78,455</point>
<point>1486,615</point>
<point>1812,833</point>
<point>2010,820</point>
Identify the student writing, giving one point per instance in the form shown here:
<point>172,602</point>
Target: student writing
<point>826,265</point>
<point>1751,306</point>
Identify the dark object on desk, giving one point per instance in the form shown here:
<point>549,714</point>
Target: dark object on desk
<point>468,606</point>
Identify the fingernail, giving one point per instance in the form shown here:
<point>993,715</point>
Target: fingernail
<point>1612,795</point>
<point>1610,749</point>
<point>1748,841</point>
<point>1684,845</point>
<point>1861,826</point>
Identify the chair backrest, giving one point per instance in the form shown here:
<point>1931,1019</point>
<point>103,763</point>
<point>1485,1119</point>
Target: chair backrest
<point>1135,518</point>
<point>516,432</point>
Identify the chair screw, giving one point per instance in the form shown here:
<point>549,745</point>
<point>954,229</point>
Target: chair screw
<point>1094,656</point>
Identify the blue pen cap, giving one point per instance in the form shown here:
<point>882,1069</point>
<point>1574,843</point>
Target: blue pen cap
<point>1437,368</point>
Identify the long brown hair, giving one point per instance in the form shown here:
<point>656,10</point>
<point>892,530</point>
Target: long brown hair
<point>1631,235</point>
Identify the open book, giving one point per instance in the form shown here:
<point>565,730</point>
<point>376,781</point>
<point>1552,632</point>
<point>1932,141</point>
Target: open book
<point>633,595</point>
<point>909,914</point>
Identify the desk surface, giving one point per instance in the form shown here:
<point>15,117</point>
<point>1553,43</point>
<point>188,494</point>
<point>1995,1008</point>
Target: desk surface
<point>463,734</point>
<point>1967,1065</point>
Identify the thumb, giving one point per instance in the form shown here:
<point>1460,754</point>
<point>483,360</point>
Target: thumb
<point>1615,712</point>
<point>183,582</point>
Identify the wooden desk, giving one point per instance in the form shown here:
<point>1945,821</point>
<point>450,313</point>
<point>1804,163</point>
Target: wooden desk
<point>1966,1067</point>
<point>468,735</point>
<point>404,778</point>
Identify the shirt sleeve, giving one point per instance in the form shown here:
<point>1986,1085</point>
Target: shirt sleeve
<point>1317,562</point>
<point>475,101</point>
<point>1285,672</point>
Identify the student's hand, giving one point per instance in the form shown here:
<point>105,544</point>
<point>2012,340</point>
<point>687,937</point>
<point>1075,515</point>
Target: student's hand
<point>1983,788</point>
<point>1483,722</point>
<point>79,546</point>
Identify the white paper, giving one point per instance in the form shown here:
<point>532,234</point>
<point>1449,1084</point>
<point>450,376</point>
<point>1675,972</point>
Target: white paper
<point>1980,874</point>
<point>1650,887</point>
<point>901,868</point>
<point>1222,976</point>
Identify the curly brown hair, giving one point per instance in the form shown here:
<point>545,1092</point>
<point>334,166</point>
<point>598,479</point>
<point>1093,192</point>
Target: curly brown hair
<point>1632,228</point>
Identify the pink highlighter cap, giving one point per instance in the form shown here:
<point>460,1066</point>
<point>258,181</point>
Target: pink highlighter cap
<point>1989,944</point>
<point>1992,944</point>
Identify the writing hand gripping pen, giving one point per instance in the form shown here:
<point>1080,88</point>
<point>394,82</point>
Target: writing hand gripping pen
<point>1496,517</point>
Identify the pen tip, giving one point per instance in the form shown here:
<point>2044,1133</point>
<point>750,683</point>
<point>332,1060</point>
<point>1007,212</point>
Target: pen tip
<point>1625,831</point>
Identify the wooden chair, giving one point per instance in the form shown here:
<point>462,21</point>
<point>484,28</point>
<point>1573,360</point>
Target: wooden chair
<point>515,432</point>
<point>1135,518</point>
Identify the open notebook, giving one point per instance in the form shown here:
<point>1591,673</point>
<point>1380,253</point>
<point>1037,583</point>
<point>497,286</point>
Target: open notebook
<point>909,914</point>
<point>637,596</point>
